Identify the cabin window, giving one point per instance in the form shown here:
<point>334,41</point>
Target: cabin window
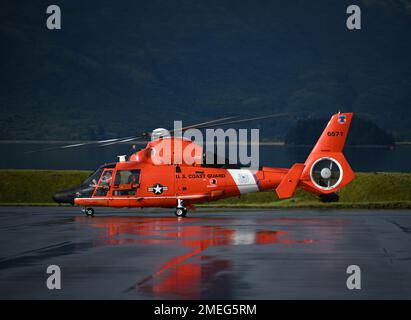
<point>126,182</point>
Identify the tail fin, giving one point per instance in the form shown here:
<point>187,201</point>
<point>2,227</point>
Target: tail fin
<point>326,170</point>
<point>334,135</point>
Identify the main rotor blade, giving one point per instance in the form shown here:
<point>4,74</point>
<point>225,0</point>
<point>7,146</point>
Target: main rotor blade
<point>201,125</point>
<point>193,126</point>
<point>122,141</point>
<point>248,119</point>
<point>76,145</point>
<point>197,125</point>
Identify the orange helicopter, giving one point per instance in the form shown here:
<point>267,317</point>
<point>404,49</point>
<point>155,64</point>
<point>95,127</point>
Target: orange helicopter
<point>143,181</point>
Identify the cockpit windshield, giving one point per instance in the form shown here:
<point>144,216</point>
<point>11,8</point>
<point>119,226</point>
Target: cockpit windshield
<point>93,178</point>
<point>87,187</point>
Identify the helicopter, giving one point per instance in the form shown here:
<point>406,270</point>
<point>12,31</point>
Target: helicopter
<point>142,181</point>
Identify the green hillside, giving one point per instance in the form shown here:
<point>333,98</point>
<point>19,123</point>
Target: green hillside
<point>36,186</point>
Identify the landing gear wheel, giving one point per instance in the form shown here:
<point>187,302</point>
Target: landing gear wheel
<point>89,212</point>
<point>330,197</point>
<point>181,212</point>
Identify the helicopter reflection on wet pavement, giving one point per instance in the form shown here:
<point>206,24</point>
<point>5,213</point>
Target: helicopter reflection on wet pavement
<point>188,274</point>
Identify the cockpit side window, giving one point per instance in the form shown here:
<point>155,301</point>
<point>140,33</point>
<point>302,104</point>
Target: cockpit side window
<point>104,184</point>
<point>106,179</point>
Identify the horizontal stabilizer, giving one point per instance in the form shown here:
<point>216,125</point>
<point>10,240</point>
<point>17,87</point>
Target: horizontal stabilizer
<point>289,183</point>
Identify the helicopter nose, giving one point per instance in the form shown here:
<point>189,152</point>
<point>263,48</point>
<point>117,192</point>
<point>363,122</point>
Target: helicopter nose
<point>64,196</point>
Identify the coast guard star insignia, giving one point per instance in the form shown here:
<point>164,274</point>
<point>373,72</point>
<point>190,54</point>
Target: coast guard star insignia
<point>157,189</point>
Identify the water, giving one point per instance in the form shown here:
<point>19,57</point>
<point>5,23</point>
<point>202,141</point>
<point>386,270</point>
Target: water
<point>365,159</point>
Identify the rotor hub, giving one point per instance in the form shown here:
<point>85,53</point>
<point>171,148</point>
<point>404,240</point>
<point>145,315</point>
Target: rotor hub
<point>325,173</point>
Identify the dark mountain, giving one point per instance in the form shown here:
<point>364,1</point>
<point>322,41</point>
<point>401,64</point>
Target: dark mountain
<point>119,67</point>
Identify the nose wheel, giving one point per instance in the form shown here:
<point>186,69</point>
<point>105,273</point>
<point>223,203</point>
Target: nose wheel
<point>181,211</point>
<point>89,212</point>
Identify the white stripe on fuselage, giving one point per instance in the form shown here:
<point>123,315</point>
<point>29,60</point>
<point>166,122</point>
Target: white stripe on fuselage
<point>244,179</point>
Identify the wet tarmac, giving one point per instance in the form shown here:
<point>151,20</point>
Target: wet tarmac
<point>212,254</point>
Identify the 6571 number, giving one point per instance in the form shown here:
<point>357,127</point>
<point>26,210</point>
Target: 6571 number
<point>335,133</point>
